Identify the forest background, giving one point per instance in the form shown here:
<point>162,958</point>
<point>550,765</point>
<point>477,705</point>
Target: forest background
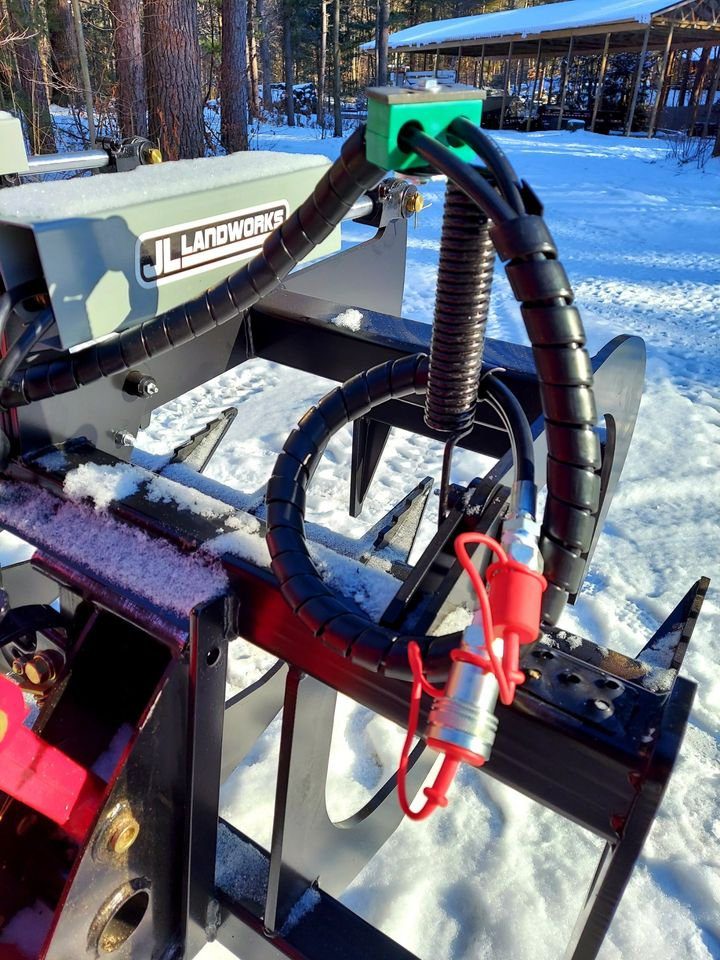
<point>197,76</point>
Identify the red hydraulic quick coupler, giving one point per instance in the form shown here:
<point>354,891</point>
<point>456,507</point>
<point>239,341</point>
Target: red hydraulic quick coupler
<point>462,722</point>
<point>40,775</point>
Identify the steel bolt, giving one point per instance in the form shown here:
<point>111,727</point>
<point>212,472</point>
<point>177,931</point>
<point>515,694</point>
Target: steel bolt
<point>534,674</point>
<point>123,833</point>
<point>140,384</point>
<point>602,705</point>
<point>40,670</point>
<point>123,438</point>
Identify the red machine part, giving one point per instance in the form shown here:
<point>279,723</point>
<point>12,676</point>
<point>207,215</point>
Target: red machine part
<point>509,611</point>
<point>41,776</point>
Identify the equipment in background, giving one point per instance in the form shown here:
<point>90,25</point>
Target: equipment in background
<point>111,156</point>
<point>110,840</point>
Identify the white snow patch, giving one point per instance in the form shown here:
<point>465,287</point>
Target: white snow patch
<point>27,930</point>
<point>102,483</point>
<point>351,319</point>
<point>241,543</point>
<point>106,763</point>
<point>306,904</point>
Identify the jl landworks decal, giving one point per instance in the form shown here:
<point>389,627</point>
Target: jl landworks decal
<point>188,248</point>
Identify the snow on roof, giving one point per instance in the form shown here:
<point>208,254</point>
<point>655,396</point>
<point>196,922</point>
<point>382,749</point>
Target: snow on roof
<point>531,21</point>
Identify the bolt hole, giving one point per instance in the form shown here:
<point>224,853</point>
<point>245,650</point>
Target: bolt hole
<point>544,655</point>
<point>212,656</point>
<point>570,678</point>
<point>124,922</point>
<point>612,685</point>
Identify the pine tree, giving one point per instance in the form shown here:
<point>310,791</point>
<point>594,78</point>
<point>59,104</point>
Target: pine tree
<point>233,76</point>
<point>172,61</point>
<point>24,21</point>
<point>129,68</point>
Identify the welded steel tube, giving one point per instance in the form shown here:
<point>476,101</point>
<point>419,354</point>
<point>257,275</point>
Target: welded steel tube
<point>361,208</point>
<point>61,162</point>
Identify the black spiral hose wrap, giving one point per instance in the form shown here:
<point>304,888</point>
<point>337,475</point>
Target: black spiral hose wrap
<point>330,618</point>
<point>314,220</point>
<point>555,329</point>
<point>462,301</point>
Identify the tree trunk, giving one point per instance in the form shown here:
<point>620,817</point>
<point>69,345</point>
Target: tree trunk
<point>288,63</point>
<point>64,52</point>
<point>322,66</point>
<point>172,53</point>
<point>130,68</point>
<point>265,61</point>
<point>383,22</point>
<point>337,105</point>
<point>716,148</point>
<point>33,93</point>
<point>233,74</point>
<point>254,97</point>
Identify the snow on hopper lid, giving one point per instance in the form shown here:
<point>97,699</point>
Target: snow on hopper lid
<point>526,22</point>
<point>87,196</point>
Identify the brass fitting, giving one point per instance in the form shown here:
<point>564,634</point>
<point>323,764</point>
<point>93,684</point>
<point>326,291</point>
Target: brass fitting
<point>123,833</point>
<point>152,155</point>
<point>116,834</point>
<point>414,203</point>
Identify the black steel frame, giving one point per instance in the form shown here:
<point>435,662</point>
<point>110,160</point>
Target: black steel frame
<point>605,771</point>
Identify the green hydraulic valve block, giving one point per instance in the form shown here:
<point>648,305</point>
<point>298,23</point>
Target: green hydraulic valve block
<point>431,108</point>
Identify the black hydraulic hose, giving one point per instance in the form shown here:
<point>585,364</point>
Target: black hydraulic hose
<point>18,353</point>
<point>349,177</point>
<point>468,179</point>
<point>462,301</point>
<point>331,619</point>
<point>11,298</point>
<point>495,158</point>
<point>538,280</point>
<point>508,407</point>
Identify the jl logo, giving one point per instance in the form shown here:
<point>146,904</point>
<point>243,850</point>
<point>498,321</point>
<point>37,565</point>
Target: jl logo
<point>189,248</point>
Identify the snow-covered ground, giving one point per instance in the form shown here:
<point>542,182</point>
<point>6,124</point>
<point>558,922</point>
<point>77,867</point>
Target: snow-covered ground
<point>639,237</point>
<point>496,875</point>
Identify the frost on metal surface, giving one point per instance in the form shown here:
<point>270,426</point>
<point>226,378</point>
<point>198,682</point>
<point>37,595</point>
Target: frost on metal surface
<point>86,196</point>
<point>124,556</point>
<point>241,871</point>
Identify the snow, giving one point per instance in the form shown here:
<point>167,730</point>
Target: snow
<point>87,196</point>
<point>638,236</point>
<point>169,579</point>
<point>525,22</point>
<point>351,319</point>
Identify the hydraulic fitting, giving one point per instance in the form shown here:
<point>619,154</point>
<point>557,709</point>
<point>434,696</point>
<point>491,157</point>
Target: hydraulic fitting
<point>462,723</point>
<point>520,539</point>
